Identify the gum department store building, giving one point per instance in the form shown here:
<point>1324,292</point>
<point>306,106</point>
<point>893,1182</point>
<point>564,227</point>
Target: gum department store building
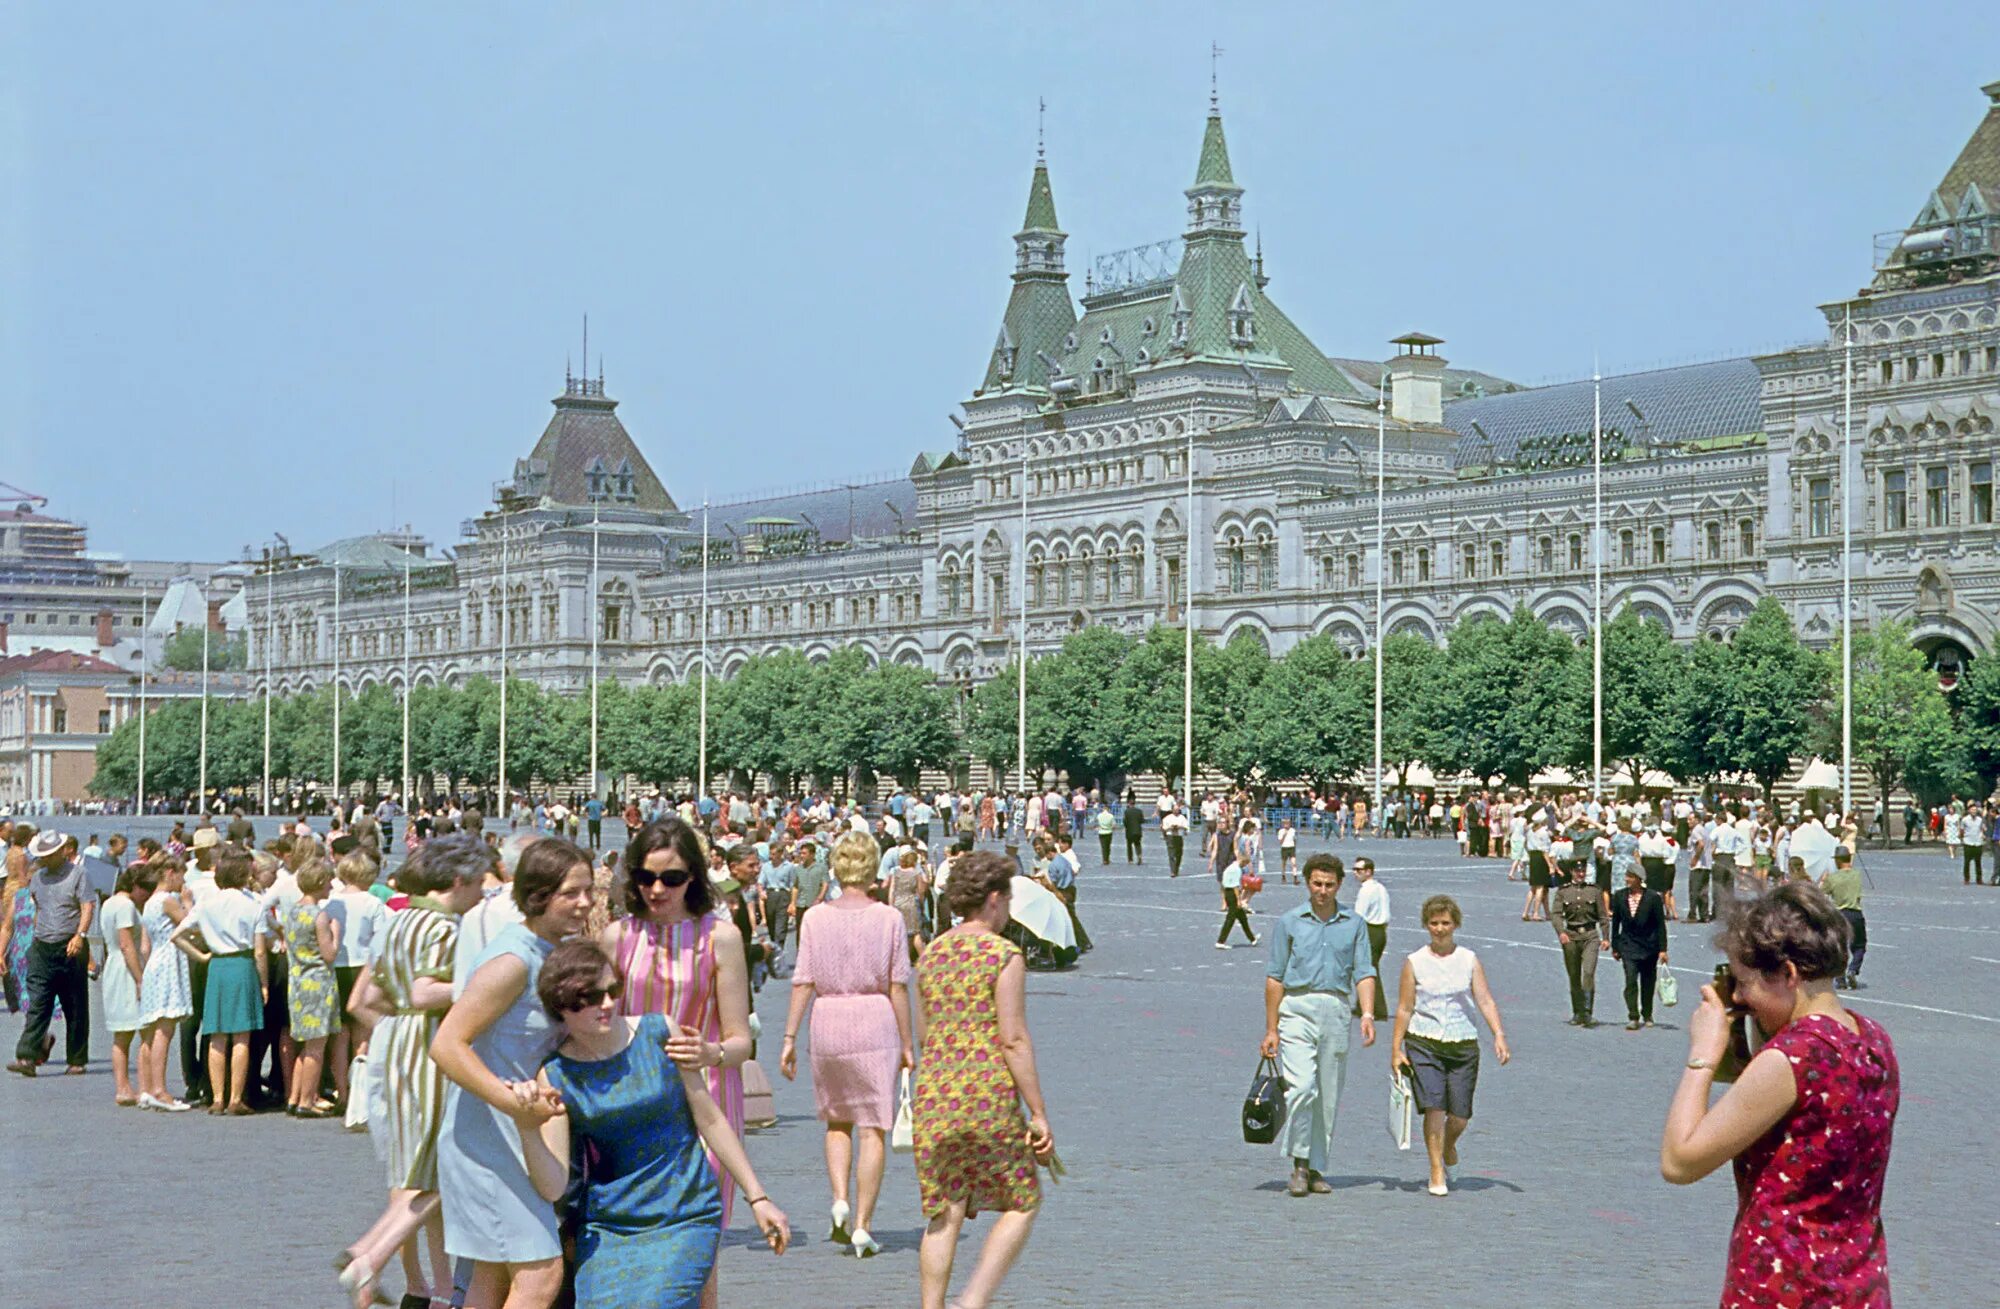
<point>1721,486</point>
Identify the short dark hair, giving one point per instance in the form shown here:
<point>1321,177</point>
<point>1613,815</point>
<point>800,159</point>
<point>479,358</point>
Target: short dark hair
<point>542,869</point>
<point>668,834</point>
<point>572,969</point>
<point>1328,863</point>
<point>1793,922</point>
<point>145,878</point>
<point>444,861</point>
<point>974,878</point>
<point>232,868</point>
<point>1442,904</point>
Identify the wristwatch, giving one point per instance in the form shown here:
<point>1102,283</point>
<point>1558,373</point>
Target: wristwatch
<point>1704,1064</point>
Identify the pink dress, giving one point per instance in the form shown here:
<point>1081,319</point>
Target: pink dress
<point>671,970</point>
<point>850,957</point>
<point>1808,1229</point>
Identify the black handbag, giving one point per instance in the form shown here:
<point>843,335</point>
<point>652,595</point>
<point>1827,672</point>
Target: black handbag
<point>1264,1107</point>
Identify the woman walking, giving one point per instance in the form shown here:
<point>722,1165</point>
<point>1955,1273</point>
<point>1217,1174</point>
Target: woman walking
<point>1808,1122</point>
<point>126,944</point>
<point>403,994</point>
<point>310,989</point>
<point>853,973</point>
<point>907,887</point>
<point>677,955</point>
<point>1436,1044</point>
<point>975,1151</point>
<point>490,1045</point>
<point>229,924</point>
<point>643,1128</point>
<point>164,995</point>
<point>17,921</point>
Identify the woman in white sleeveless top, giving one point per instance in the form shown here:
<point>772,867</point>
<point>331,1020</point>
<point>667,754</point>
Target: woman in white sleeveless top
<point>1436,1044</point>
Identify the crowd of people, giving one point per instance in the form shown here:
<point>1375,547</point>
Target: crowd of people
<point>556,1056</point>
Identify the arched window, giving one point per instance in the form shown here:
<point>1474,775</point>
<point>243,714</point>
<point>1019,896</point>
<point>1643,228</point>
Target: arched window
<point>1267,562</point>
<point>1137,576</point>
<point>1233,552</point>
<point>1545,552</point>
<point>1423,564</point>
<point>1499,559</point>
<point>1471,561</point>
<point>1396,567</point>
<point>1713,537</point>
<point>1354,570</point>
<point>1628,548</point>
<point>1575,552</point>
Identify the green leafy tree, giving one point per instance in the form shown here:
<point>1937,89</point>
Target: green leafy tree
<point>1977,698</point>
<point>1143,706</point>
<point>1904,731</point>
<point>1508,702</point>
<point>1314,712</point>
<point>1773,689</point>
<point>1644,672</point>
<point>1086,741</point>
<point>905,719</point>
<point>1227,686</point>
<point>761,720</point>
<point>226,653</point>
<point>1694,722</point>
<point>1412,678</point>
<point>651,733</point>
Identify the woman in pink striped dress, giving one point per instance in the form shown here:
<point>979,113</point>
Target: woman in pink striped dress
<point>854,971</point>
<point>676,957</point>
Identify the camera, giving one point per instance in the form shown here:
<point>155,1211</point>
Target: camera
<point>1738,1055</point>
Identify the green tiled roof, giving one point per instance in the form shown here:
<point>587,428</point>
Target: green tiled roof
<point>1214,167</point>
<point>1214,268</point>
<point>1041,203</point>
<point>1038,319</point>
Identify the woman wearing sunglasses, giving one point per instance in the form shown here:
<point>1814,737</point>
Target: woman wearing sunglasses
<point>490,1043</point>
<point>676,956</point>
<point>651,1210</point>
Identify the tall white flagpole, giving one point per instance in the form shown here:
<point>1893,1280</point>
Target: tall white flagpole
<point>595,620</point>
<point>1021,643</point>
<point>407,633</point>
<point>1381,565</point>
<point>201,787</point>
<point>145,657</point>
<point>504,797</point>
<point>1597,592</point>
<point>336,684</point>
<point>1187,639</point>
<point>270,638</point>
<point>701,747</point>
<point>1847,566</point>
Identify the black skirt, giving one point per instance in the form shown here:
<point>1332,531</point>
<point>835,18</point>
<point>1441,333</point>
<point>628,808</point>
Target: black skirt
<point>1538,869</point>
<point>1659,873</point>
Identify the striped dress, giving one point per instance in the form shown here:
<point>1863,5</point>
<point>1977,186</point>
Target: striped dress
<point>670,969</point>
<point>408,1090</point>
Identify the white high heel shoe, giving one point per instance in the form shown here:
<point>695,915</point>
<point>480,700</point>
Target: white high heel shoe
<point>865,1246</point>
<point>839,1234</point>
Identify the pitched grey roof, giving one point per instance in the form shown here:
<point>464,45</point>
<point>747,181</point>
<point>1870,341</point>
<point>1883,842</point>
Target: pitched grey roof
<point>1666,406</point>
<point>842,513</point>
<point>583,432</point>
<point>367,552</point>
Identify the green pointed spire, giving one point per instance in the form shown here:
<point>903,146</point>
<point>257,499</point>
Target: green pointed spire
<point>1214,168</point>
<point>1042,203</point>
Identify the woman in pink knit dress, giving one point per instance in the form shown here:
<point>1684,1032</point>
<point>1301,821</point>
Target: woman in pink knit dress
<point>676,957</point>
<point>854,958</point>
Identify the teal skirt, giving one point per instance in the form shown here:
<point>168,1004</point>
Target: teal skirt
<point>231,1001</point>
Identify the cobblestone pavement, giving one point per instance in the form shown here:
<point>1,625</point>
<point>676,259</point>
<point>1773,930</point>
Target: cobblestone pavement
<point>1145,1051</point>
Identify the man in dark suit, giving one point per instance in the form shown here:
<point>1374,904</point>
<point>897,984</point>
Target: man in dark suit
<point>1638,941</point>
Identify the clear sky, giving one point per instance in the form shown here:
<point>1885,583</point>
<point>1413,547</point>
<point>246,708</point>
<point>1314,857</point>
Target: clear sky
<point>316,269</point>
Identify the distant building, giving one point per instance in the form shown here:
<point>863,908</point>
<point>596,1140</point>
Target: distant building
<point>1722,485</point>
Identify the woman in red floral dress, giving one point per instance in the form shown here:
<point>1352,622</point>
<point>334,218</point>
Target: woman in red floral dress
<point>975,1151</point>
<point>1808,1122</point>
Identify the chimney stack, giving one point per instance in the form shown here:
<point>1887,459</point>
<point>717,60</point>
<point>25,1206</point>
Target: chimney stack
<point>1416,380</point>
<point>3,636</point>
<point>215,616</point>
<point>107,633</point>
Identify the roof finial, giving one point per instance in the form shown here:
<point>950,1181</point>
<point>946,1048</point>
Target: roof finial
<point>586,344</point>
<point>1214,101</point>
<point>1041,113</point>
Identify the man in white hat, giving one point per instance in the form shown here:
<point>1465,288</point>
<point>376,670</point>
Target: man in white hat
<point>59,955</point>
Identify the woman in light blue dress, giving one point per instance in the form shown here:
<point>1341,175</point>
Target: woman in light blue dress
<point>490,1046</point>
<point>651,1209</point>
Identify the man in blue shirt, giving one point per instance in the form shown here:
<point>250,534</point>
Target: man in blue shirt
<point>1062,880</point>
<point>593,813</point>
<point>1319,961</point>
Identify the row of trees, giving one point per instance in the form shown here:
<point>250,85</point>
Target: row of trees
<point>1505,699</point>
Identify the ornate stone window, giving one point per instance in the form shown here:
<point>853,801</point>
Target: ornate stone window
<point>1819,506</point>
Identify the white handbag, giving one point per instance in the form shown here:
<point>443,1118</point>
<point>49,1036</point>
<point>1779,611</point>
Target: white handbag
<point>1402,1107</point>
<point>903,1137</point>
<point>1666,989</point>
<point>360,1087</point>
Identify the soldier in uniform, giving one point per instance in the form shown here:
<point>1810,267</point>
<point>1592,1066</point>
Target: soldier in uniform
<point>1581,912</point>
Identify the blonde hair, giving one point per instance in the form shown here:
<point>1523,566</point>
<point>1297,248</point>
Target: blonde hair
<point>856,858</point>
<point>315,876</point>
<point>356,869</point>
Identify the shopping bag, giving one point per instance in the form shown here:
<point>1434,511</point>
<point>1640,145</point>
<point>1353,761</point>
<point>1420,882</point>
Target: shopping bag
<point>1667,990</point>
<point>759,1107</point>
<point>1264,1106</point>
<point>1402,1109</point>
<point>360,1085</point>
<point>903,1136</point>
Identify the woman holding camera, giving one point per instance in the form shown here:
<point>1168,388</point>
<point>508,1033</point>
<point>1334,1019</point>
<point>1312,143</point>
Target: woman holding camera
<point>1808,1122</point>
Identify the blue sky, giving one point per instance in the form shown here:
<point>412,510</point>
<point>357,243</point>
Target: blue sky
<point>316,269</point>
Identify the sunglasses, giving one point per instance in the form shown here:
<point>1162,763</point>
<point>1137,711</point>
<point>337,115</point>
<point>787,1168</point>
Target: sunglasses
<point>597,995</point>
<point>645,877</point>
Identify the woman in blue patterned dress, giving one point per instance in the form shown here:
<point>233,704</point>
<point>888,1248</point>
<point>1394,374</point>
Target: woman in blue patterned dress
<point>651,1209</point>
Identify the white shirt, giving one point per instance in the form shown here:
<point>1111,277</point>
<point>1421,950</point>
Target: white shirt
<point>1371,902</point>
<point>1444,994</point>
<point>359,916</point>
<point>230,921</point>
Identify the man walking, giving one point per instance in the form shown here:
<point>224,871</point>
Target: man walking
<point>1701,862</point>
<point>1371,906</point>
<point>1135,827</point>
<point>1639,941</point>
<point>1107,827</point>
<point>1319,965</point>
<point>1582,916</point>
<point>58,954</point>
<point>1174,830</point>
<point>1730,853</point>
<point>1843,883</point>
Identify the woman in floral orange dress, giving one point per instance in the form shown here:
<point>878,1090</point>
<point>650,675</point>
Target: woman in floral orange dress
<point>975,1150</point>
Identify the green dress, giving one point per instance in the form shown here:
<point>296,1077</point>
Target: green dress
<point>310,988</point>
